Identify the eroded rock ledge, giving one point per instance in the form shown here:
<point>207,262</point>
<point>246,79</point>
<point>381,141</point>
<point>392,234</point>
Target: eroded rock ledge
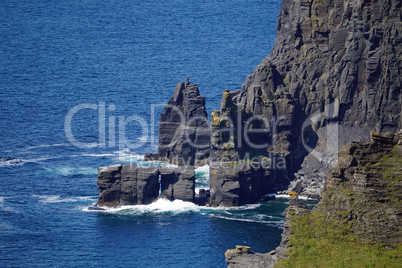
<point>362,192</point>
<point>133,185</point>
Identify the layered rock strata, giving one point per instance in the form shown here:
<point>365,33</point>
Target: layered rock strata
<point>332,77</point>
<point>184,132</point>
<point>133,185</point>
<point>362,192</point>
<point>239,183</point>
<point>365,189</point>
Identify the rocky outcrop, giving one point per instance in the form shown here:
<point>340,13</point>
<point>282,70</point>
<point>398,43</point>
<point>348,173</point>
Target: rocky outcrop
<point>133,185</point>
<point>361,198</point>
<point>250,259</point>
<point>178,184</point>
<point>109,180</point>
<point>365,189</point>
<point>184,133</point>
<point>332,77</point>
<point>246,169</point>
<point>239,183</point>
<point>295,209</point>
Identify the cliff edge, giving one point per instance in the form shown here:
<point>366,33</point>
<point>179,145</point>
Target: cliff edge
<point>357,221</point>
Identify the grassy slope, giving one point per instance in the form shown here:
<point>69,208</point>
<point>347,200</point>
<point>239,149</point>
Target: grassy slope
<point>332,237</point>
<point>317,242</point>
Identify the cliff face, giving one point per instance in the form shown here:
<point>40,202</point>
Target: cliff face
<point>347,52</point>
<point>356,222</point>
<point>365,189</point>
<point>332,77</point>
<point>358,219</point>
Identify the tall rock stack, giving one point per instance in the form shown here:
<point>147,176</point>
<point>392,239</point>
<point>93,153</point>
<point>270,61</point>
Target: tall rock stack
<point>184,133</point>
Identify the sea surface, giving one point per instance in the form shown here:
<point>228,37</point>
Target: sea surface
<point>82,84</point>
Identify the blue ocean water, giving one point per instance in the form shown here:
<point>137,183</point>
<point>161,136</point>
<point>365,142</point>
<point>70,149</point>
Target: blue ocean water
<point>111,65</point>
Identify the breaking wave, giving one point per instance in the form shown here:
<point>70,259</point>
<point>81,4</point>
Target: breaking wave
<point>278,223</point>
<point>47,146</point>
<point>163,205</point>
<point>159,206</point>
<point>10,161</point>
<point>202,177</point>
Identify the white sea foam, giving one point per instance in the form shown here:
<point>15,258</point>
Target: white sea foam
<point>49,199</point>
<point>286,196</point>
<point>98,155</point>
<point>282,196</point>
<point>245,207</point>
<point>126,155</point>
<point>19,162</point>
<point>177,206</point>
<point>47,145</point>
<point>159,206</point>
<point>144,139</point>
<point>11,162</point>
<point>4,207</point>
<point>202,177</point>
<point>278,224</point>
<point>203,169</point>
<point>306,198</point>
<point>68,171</point>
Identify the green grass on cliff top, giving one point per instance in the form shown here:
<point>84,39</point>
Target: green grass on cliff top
<point>317,242</point>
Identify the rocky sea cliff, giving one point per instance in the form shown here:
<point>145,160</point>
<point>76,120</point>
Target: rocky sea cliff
<point>334,73</point>
<point>356,222</point>
<point>332,77</point>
